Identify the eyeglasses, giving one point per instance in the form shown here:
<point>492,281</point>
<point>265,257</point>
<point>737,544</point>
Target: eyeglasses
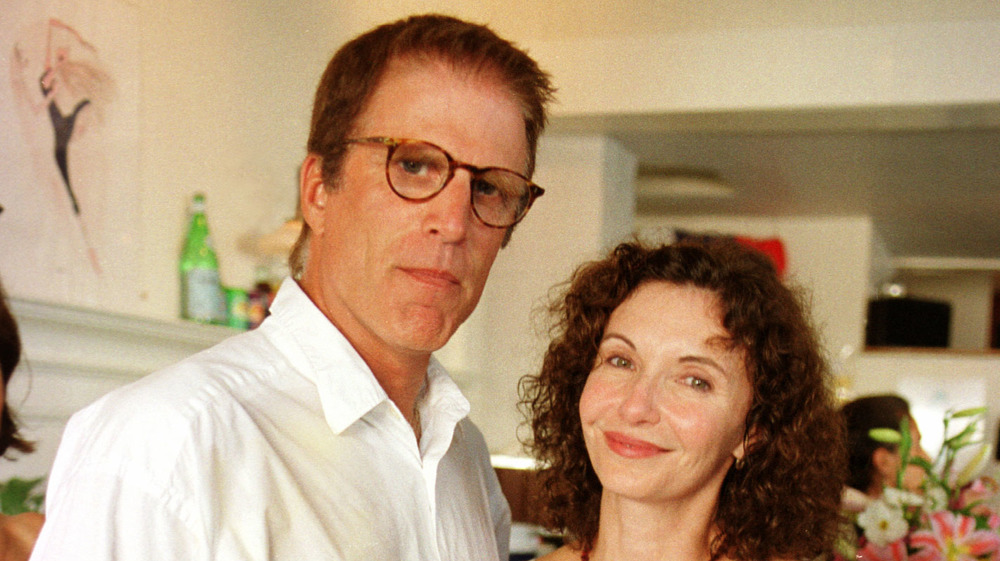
<point>418,170</point>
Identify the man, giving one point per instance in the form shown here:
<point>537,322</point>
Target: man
<point>330,432</point>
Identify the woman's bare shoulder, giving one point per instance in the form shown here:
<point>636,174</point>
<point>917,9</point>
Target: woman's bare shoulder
<point>18,534</point>
<point>564,553</point>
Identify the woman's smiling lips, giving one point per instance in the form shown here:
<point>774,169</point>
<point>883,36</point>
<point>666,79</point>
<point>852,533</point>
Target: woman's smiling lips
<point>629,447</point>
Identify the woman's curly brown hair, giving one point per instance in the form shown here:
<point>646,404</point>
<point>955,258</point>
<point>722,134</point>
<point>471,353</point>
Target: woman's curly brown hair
<point>785,501</point>
<point>10,355</point>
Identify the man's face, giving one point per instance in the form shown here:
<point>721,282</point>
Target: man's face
<point>398,277</point>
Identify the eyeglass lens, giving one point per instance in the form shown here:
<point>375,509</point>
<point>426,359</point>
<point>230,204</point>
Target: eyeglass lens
<point>417,170</point>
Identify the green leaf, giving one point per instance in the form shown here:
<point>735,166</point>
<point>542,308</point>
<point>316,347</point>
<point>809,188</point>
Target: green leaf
<point>18,496</point>
<point>888,436</point>
<point>923,463</point>
<point>970,412</point>
<point>906,441</point>
<point>962,438</point>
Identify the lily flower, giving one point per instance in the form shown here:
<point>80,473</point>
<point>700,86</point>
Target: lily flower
<point>953,538</point>
<point>882,523</point>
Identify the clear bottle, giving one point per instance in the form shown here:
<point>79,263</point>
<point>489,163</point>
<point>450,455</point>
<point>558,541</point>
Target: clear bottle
<point>202,297</point>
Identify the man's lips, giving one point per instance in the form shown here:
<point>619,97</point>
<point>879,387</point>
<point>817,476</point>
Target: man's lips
<point>629,447</point>
<point>435,277</point>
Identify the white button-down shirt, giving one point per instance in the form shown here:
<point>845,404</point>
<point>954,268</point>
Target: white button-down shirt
<point>276,444</point>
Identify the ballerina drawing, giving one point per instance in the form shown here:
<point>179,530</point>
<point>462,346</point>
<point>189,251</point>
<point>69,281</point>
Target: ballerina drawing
<point>74,90</point>
<point>62,124</point>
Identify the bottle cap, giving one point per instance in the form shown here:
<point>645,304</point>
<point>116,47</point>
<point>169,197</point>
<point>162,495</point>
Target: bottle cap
<point>198,202</point>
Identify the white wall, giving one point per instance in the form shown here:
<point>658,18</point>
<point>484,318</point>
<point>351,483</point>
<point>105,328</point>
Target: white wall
<point>828,257</point>
<point>226,97</point>
<point>818,65</point>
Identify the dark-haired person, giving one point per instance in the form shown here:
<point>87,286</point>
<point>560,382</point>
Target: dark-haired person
<point>683,411</point>
<point>873,465</point>
<point>330,432</point>
<point>17,532</point>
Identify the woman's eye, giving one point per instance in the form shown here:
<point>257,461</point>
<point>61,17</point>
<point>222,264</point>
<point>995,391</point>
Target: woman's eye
<point>620,362</point>
<point>697,383</point>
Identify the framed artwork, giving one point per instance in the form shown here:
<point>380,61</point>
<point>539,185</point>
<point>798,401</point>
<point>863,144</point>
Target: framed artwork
<point>69,183</point>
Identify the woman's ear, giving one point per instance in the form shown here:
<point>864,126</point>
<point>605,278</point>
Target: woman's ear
<point>741,449</point>
<point>313,194</point>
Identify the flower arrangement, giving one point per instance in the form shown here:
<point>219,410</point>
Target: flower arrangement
<point>948,520</point>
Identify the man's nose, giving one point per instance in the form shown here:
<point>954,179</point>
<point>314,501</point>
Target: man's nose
<point>449,213</point>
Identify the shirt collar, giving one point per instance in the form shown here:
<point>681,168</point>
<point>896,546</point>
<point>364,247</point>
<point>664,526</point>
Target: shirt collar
<point>347,388</point>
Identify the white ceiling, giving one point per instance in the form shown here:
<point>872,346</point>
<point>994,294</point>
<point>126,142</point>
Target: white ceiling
<point>928,177</point>
<point>575,19</point>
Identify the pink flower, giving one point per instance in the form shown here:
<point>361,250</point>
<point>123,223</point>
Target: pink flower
<point>953,538</point>
<point>896,551</point>
<point>976,492</point>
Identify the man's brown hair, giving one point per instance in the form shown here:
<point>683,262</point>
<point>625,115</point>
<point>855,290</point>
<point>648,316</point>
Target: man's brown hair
<point>356,70</point>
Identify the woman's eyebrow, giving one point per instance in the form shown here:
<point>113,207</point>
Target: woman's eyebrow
<point>618,336</point>
<point>705,360</point>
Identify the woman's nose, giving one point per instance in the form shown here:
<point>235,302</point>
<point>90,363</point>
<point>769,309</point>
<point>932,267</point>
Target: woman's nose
<point>639,402</point>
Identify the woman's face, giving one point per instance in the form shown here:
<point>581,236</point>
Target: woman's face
<point>913,476</point>
<point>663,409</point>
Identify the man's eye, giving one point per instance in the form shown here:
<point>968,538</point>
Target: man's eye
<point>483,187</point>
<point>413,167</point>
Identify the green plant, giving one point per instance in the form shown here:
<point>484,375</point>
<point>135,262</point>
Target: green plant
<point>20,495</point>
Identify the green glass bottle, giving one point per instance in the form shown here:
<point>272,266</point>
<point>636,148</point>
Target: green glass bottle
<point>202,297</point>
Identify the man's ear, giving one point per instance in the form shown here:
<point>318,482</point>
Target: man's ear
<point>313,195</point>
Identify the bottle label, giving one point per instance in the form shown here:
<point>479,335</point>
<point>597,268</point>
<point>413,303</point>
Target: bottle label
<point>203,296</point>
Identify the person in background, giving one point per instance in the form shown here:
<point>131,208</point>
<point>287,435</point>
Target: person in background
<point>17,532</point>
<point>683,411</point>
<point>330,432</point>
<point>873,465</point>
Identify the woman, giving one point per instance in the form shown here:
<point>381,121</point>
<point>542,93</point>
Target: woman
<point>873,465</point>
<point>17,533</point>
<point>683,412</point>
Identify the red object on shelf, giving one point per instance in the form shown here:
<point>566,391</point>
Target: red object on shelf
<point>772,247</point>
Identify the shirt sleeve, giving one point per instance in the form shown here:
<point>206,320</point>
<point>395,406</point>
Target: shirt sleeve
<point>111,493</point>
<point>98,516</point>
<point>501,514</point>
